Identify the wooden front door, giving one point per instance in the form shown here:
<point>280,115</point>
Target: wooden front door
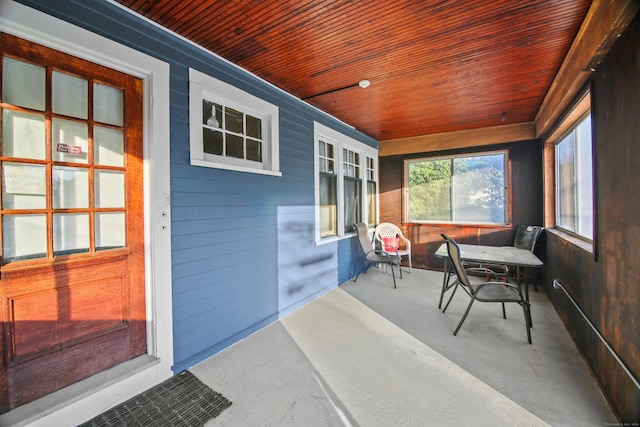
<point>72,262</point>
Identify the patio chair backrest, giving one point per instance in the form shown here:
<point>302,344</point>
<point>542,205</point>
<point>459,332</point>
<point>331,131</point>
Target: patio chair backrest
<point>454,255</point>
<point>363,237</point>
<point>527,236</point>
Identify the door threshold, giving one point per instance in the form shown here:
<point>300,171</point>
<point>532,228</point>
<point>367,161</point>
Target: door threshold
<point>59,400</point>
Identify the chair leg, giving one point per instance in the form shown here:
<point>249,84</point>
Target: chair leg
<point>527,318</point>
<point>504,313</point>
<point>394,275</point>
<point>446,277</point>
<point>455,288</point>
<point>465,315</point>
<point>364,270</point>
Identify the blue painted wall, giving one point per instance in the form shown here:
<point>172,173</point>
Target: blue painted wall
<point>224,223</point>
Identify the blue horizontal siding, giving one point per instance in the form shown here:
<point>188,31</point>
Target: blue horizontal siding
<point>224,223</point>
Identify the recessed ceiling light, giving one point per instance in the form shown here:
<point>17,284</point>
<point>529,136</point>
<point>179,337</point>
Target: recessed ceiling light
<point>364,83</point>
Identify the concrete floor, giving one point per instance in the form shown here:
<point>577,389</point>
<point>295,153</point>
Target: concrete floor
<point>366,354</point>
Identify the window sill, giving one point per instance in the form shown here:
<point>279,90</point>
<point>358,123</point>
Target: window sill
<point>334,239</point>
<point>581,244</point>
<point>206,164</point>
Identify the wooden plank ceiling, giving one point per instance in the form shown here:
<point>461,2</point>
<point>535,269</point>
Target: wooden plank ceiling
<point>434,66</point>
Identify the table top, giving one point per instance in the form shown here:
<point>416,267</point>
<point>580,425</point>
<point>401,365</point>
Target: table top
<point>494,254</point>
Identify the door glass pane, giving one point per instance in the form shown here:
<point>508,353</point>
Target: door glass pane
<point>70,187</point>
<point>108,104</point>
<point>23,84</point>
<point>24,186</point>
<point>23,135</point>
<point>110,230</point>
<point>70,95</point>
<point>69,141</point>
<point>108,146</point>
<point>109,189</point>
<point>70,233</point>
<point>24,236</point>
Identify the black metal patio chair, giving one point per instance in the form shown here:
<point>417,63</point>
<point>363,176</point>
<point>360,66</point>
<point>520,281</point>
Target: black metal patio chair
<point>375,256</point>
<point>495,291</point>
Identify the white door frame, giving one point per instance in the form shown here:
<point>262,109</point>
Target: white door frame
<point>90,397</point>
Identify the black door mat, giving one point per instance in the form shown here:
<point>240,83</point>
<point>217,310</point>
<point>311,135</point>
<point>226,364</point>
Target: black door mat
<point>182,400</point>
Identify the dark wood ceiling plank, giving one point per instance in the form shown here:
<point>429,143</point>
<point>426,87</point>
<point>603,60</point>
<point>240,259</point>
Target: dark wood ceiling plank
<point>434,66</point>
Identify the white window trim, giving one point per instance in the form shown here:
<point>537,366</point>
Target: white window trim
<point>341,141</point>
<point>203,86</point>
<point>82,401</point>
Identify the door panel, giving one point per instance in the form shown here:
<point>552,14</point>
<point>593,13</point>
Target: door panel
<point>72,290</point>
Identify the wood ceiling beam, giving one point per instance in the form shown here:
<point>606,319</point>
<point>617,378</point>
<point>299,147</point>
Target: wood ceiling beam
<point>605,21</point>
<point>459,139</point>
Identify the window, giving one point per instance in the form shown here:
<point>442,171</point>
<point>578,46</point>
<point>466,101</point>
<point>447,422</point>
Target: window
<point>345,194</point>
<point>457,189</point>
<point>372,193</point>
<point>352,189</point>
<point>574,169</point>
<point>328,189</point>
<point>231,129</point>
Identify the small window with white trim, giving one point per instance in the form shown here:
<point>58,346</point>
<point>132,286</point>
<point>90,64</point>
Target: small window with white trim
<point>231,129</point>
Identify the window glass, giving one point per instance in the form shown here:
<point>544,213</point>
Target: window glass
<point>328,206</point>
<point>70,187</point>
<point>574,181</point>
<point>23,84</point>
<point>108,146</point>
<point>24,237</point>
<point>108,104</point>
<point>69,141</point>
<point>372,192</point>
<point>230,133</point>
<point>23,135</point>
<point>70,233</point>
<point>352,203</point>
<point>70,95</point>
<point>460,189</point>
<point>24,186</point>
<point>328,190</point>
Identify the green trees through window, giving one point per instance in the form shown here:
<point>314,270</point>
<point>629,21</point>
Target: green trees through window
<point>458,189</point>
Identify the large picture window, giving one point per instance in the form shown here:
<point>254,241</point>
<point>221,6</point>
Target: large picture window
<point>458,189</point>
<point>574,180</point>
<point>346,183</point>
